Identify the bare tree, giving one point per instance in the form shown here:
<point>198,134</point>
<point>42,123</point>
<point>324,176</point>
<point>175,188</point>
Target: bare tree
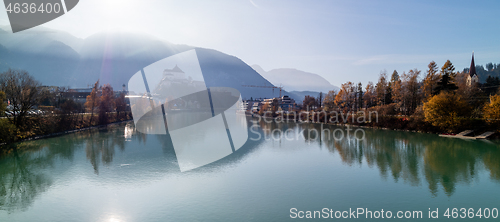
<point>22,91</point>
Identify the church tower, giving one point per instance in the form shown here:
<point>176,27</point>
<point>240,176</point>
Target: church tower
<point>472,78</point>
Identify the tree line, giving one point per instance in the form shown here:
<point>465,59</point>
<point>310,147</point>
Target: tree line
<point>440,97</point>
<point>28,109</point>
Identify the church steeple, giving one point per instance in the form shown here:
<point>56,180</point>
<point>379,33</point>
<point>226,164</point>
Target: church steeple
<point>472,69</point>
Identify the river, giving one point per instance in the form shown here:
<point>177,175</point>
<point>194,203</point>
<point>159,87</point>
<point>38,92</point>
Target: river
<point>117,174</point>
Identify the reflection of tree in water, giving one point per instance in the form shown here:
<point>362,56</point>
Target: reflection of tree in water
<point>391,154</point>
<point>448,162</point>
<point>101,146</point>
<point>21,181</point>
<point>21,173</point>
<point>412,157</point>
<point>492,163</point>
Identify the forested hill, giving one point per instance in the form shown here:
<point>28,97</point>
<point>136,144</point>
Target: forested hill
<point>491,69</point>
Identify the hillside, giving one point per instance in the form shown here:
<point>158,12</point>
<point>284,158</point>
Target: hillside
<point>58,59</point>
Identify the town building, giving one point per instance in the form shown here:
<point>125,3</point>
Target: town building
<point>472,78</point>
<point>285,103</point>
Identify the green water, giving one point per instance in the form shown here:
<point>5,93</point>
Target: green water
<point>117,174</point>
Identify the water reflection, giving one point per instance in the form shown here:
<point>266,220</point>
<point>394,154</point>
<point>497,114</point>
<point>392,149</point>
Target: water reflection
<point>101,146</point>
<point>410,158</point>
<point>21,182</point>
<point>22,175</point>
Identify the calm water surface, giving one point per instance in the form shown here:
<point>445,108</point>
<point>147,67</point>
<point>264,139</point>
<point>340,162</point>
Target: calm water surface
<point>118,174</point>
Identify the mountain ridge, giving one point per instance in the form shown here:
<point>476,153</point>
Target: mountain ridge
<point>114,57</point>
<point>296,80</point>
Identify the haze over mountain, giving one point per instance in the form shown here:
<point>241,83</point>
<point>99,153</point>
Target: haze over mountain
<point>59,59</point>
<point>296,80</point>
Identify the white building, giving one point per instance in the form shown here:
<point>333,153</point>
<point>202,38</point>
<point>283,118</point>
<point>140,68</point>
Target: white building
<point>472,78</point>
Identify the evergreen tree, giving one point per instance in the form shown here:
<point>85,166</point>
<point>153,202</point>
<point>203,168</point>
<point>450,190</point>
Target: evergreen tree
<point>320,100</point>
<point>359,92</point>
<point>447,76</point>
<point>389,96</point>
<point>431,80</point>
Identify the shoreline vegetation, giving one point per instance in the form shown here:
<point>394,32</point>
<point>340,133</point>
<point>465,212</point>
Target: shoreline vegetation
<point>442,102</point>
<point>56,125</point>
<point>60,133</point>
<point>29,110</point>
<point>397,123</point>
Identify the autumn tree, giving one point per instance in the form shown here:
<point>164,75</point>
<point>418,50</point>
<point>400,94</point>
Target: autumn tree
<point>23,92</point>
<point>430,80</point>
<point>461,80</point>
<point>106,103</point>
<point>329,101</point>
<point>381,89</point>
<point>390,87</point>
<point>93,100</point>
<point>492,109</point>
<point>396,88</point>
<point>346,97</point>
<point>263,110</point>
<point>369,97</point>
<point>309,102</point>
<point>446,110</point>
<point>448,69</point>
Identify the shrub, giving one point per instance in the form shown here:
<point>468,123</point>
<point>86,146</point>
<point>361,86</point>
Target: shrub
<point>446,111</point>
<point>492,109</point>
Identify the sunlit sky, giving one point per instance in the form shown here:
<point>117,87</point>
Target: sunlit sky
<point>339,40</point>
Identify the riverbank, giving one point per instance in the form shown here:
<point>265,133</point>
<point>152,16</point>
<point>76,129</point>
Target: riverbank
<point>397,123</point>
<point>69,131</point>
<point>40,127</point>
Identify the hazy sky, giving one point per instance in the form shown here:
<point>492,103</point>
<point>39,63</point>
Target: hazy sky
<point>340,40</point>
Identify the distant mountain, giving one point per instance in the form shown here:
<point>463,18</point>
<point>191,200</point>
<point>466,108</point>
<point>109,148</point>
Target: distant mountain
<point>36,39</point>
<point>58,59</point>
<point>223,70</point>
<point>300,95</point>
<point>296,80</point>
